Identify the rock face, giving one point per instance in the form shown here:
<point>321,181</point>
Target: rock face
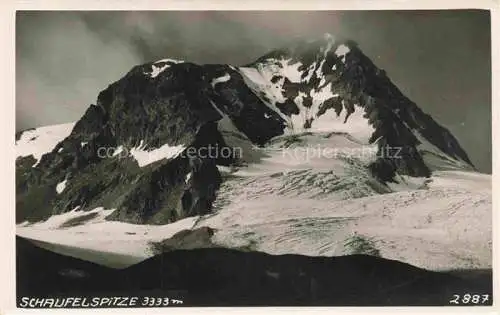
<point>142,148</point>
<point>186,240</point>
<point>225,277</point>
<point>328,78</point>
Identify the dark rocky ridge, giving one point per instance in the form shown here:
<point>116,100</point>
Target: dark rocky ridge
<point>181,107</point>
<point>174,108</point>
<point>224,277</point>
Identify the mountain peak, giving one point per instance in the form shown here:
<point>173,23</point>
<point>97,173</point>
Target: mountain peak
<point>330,85</point>
<point>152,117</point>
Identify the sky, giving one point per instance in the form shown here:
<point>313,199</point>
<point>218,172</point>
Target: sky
<point>441,60</point>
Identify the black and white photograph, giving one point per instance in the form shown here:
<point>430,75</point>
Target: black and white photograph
<point>256,158</point>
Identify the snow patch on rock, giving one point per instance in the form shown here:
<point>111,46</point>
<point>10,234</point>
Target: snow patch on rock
<point>222,79</point>
<point>145,157</point>
<point>188,177</point>
<point>290,70</point>
<point>162,65</point>
<point>342,51</point>
<point>42,140</point>
<point>61,186</point>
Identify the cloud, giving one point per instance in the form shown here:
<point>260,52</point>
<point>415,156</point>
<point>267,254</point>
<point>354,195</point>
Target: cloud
<point>61,67</point>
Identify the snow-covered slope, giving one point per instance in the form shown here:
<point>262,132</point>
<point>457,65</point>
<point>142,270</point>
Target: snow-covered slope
<point>41,140</point>
<point>441,227</point>
<point>317,204</point>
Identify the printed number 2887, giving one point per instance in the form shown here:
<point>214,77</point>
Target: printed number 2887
<point>470,299</point>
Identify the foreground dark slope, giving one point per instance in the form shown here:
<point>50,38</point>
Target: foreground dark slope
<point>224,277</point>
